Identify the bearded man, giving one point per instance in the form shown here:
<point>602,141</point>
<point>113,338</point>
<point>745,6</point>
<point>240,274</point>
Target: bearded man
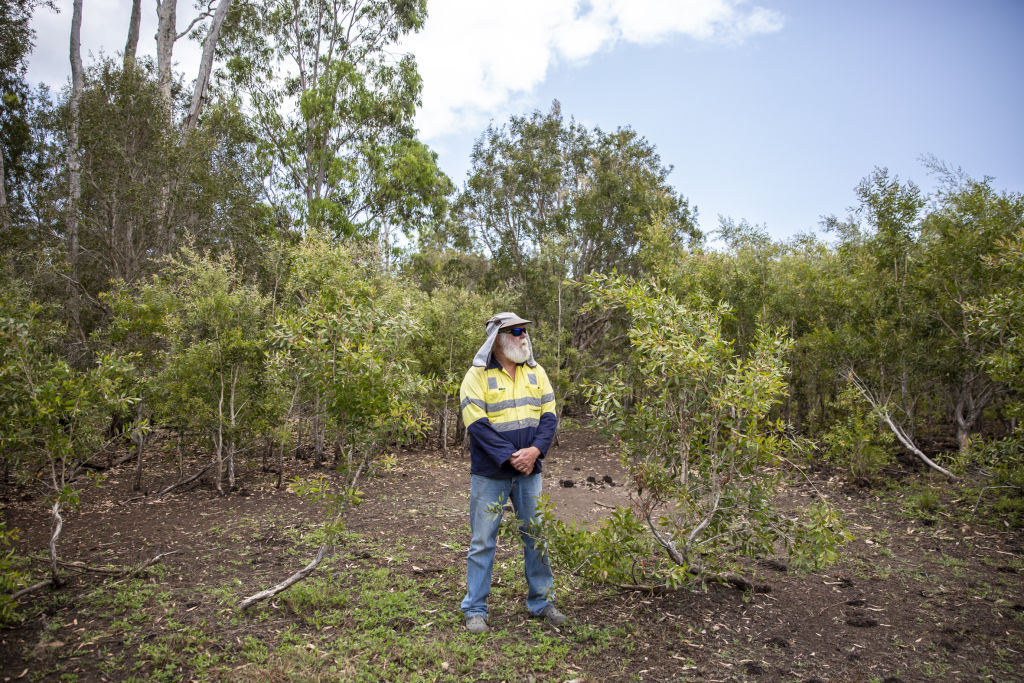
<point>508,407</point>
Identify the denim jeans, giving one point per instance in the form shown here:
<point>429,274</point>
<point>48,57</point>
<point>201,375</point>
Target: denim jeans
<point>483,493</point>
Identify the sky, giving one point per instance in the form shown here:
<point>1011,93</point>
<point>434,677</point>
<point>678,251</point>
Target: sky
<point>769,111</point>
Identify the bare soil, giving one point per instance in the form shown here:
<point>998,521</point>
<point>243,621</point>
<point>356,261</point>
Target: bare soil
<point>914,598</point>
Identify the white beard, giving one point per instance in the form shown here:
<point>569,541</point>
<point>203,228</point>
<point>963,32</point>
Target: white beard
<point>516,349</point>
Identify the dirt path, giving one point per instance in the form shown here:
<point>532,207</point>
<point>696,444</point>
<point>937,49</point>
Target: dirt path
<point>910,600</point>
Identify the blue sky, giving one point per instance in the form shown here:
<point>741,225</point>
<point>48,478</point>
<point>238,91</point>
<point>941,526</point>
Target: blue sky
<point>769,111</point>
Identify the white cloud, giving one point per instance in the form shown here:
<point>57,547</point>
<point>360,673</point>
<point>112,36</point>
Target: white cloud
<point>477,57</point>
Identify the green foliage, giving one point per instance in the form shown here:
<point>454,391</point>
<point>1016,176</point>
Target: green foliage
<point>51,411</point>
<point>344,342</point>
<point>450,323</point>
<point>1001,499</point>
<point>855,442</point>
<point>999,318</point>
<point>692,417</point>
<point>549,199</point>
<point>335,108</point>
<point>10,575</point>
<point>200,333</point>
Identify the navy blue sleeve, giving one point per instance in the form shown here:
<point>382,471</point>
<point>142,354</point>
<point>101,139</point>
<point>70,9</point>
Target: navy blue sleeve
<point>491,442</point>
<point>545,432</point>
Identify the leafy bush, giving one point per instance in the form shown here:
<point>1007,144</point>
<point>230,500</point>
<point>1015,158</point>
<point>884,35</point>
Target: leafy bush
<point>10,575</point>
<point>1002,498</point>
<point>691,416</point>
<point>854,442</point>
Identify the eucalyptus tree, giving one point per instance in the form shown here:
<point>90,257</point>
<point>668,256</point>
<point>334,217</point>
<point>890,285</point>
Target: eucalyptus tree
<point>332,107</point>
<point>692,416</point>
<point>549,200</point>
<point>969,228</point>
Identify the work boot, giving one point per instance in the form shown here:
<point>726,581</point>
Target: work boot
<point>476,624</point>
<point>551,615</point>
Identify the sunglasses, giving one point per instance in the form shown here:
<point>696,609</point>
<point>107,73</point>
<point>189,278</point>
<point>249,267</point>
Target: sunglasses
<point>515,331</point>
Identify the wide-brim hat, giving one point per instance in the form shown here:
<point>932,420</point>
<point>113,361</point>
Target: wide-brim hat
<point>506,319</point>
<point>492,326</point>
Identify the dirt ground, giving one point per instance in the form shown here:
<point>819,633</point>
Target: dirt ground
<point>913,599</point>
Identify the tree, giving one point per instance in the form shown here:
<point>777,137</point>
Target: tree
<point>201,333</point>
<point>449,332</point>
<point>548,200</point>
<point>54,415</point>
<point>74,164</point>
<point>345,336</point>
<point>16,42</point>
<point>966,231</point>
<point>692,418</point>
<point>333,111</point>
<point>344,330</point>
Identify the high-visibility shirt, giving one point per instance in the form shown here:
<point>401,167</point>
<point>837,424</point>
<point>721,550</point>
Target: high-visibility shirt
<point>503,414</point>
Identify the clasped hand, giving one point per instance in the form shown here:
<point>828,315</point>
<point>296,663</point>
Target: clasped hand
<point>524,458</point>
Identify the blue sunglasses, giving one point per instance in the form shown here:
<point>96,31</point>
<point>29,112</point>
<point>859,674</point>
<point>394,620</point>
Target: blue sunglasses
<point>515,331</point>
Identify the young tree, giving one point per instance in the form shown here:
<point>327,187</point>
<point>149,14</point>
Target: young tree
<point>968,228</point>
<point>346,335</point>
<point>450,325</point>
<point>692,417</point>
<point>53,415</point>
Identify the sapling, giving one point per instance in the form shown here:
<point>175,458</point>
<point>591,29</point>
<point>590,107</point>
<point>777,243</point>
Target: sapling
<point>691,416</point>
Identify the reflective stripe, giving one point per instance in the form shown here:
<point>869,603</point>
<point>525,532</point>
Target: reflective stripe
<point>547,397</point>
<point>492,382</point>
<point>515,424</point>
<point>474,401</point>
<point>533,378</point>
<point>514,403</point>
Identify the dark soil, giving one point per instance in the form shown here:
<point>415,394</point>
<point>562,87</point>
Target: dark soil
<point>909,600</point>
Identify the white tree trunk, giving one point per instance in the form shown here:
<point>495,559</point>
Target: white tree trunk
<point>131,45</point>
<point>58,526</point>
<point>166,34</point>
<point>205,66</point>
<point>901,435</point>
<point>74,162</point>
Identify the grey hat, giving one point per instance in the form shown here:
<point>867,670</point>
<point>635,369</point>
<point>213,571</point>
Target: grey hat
<point>493,325</point>
<point>506,319</point>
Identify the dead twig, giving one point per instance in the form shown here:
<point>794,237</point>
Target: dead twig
<point>175,485</point>
<point>145,565</point>
<point>124,573</point>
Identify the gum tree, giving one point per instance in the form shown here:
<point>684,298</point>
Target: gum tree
<point>54,416</point>
<point>344,337</point>
<point>691,414</point>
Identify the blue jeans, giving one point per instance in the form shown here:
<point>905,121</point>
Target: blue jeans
<point>484,493</point>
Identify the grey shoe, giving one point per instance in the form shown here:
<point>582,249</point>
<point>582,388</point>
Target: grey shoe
<point>551,615</point>
<point>477,624</point>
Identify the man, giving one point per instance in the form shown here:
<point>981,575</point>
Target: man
<point>508,407</point>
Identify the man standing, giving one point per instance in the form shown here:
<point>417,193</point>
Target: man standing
<point>508,407</point>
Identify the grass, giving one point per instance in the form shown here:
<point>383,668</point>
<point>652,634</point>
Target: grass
<point>364,615</point>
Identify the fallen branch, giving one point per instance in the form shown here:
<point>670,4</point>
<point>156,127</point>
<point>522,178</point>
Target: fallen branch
<point>124,573</point>
<point>148,563</point>
<point>81,566</point>
<point>735,580</point>
<point>287,583</point>
<point>305,571</point>
<point>882,408</point>
<point>31,589</point>
<point>175,485</point>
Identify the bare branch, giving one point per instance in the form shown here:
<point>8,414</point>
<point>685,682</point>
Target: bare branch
<point>901,435</point>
